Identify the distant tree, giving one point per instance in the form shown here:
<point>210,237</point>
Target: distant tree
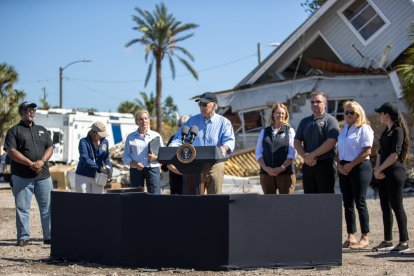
<point>127,107</point>
<point>43,100</point>
<point>10,99</point>
<point>147,102</point>
<point>169,111</point>
<point>312,6</point>
<point>161,33</point>
<point>406,71</point>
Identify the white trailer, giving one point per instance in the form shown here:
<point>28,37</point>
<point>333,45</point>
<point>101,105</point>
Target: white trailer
<point>67,127</point>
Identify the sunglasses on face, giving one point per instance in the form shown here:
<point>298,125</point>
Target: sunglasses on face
<point>349,112</point>
<point>202,104</point>
<point>316,102</point>
<point>30,110</point>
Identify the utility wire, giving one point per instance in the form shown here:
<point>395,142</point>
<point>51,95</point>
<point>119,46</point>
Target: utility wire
<point>94,90</point>
<point>179,75</point>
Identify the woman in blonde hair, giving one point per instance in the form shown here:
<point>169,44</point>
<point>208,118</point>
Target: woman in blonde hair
<point>275,153</point>
<point>355,171</point>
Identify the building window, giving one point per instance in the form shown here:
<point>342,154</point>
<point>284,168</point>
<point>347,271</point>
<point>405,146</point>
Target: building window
<point>336,108</point>
<point>364,18</point>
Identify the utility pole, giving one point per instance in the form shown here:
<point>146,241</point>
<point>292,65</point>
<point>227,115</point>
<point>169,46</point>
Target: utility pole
<point>61,78</point>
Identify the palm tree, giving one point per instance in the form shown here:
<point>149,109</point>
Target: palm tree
<point>161,33</point>
<point>312,6</point>
<point>406,71</point>
<point>133,106</point>
<point>9,98</point>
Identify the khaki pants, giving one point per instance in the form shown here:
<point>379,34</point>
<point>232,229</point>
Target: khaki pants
<point>84,184</point>
<point>285,183</point>
<point>213,179</point>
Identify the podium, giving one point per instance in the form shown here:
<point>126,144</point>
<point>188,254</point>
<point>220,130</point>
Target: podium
<point>204,157</point>
<point>239,231</point>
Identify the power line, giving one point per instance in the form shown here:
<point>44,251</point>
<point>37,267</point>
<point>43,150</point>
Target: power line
<point>179,75</point>
<point>94,90</point>
<point>44,80</point>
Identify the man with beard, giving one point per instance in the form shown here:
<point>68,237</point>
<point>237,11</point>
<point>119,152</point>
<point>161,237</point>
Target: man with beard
<point>30,147</point>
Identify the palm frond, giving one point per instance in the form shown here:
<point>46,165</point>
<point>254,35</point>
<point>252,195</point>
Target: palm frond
<point>189,67</point>
<point>172,66</point>
<point>148,73</point>
<point>184,51</point>
<point>178,39</point>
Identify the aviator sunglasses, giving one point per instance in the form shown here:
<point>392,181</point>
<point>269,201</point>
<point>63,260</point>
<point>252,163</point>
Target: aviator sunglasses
<point>202,104</point>
<point>349,112</point>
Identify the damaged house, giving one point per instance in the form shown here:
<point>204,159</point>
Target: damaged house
<point>347,49</point>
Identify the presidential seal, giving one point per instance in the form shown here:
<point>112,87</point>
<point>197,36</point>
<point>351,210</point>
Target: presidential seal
<point>186,153</point>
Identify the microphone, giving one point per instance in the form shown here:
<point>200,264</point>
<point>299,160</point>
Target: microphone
<point>184,133</point>
<point>193,134</point>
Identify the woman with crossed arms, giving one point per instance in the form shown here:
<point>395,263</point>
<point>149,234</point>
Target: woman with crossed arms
<point>355,171</point>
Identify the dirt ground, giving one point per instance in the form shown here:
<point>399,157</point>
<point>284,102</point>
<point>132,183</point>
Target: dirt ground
<point>34,258</point>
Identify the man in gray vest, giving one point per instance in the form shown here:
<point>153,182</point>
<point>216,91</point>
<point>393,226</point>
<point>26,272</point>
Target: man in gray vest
<point>315,141</point>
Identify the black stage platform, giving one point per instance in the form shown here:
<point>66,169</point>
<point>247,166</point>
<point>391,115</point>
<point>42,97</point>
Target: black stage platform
<point>216,232</point>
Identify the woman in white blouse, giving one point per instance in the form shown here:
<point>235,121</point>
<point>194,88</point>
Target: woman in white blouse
<point>355,171</point>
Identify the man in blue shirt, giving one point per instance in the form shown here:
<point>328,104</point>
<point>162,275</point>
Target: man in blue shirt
<point>213,130</point>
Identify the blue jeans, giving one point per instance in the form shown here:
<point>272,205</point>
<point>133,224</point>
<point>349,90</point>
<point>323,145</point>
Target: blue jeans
<point>23,190</point>
<point>149,175</point>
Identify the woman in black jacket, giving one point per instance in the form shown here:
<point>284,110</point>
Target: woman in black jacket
<point>390,170</point>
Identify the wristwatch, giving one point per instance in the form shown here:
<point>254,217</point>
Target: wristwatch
<point>283,167</point>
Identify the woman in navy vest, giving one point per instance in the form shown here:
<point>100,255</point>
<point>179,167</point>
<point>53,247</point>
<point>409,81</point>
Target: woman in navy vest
<point>275,153</point>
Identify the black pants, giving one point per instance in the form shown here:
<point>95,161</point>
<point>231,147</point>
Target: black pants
<point>391,199</point>
<point>354,188</point>
<point>176,183</point>
<point>319,179</point>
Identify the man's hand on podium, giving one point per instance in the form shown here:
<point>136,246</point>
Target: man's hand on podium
<point>172,168</point>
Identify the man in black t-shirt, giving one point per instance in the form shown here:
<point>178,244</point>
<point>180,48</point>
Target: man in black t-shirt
<point>30,147</point>
<point>315,141</point>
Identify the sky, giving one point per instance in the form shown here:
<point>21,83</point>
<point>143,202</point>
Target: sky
<point>40,36</point>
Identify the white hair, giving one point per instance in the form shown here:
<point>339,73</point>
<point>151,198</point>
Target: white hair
<point>182,120</point>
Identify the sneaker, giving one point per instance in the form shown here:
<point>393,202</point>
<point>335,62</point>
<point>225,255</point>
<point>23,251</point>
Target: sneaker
<point>401,248</point>
<point>22,242</point>
<point>46,242</point>
<point>383,246</point>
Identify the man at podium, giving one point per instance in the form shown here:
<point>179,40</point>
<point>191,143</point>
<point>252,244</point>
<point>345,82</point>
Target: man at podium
<point>213,130</point>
